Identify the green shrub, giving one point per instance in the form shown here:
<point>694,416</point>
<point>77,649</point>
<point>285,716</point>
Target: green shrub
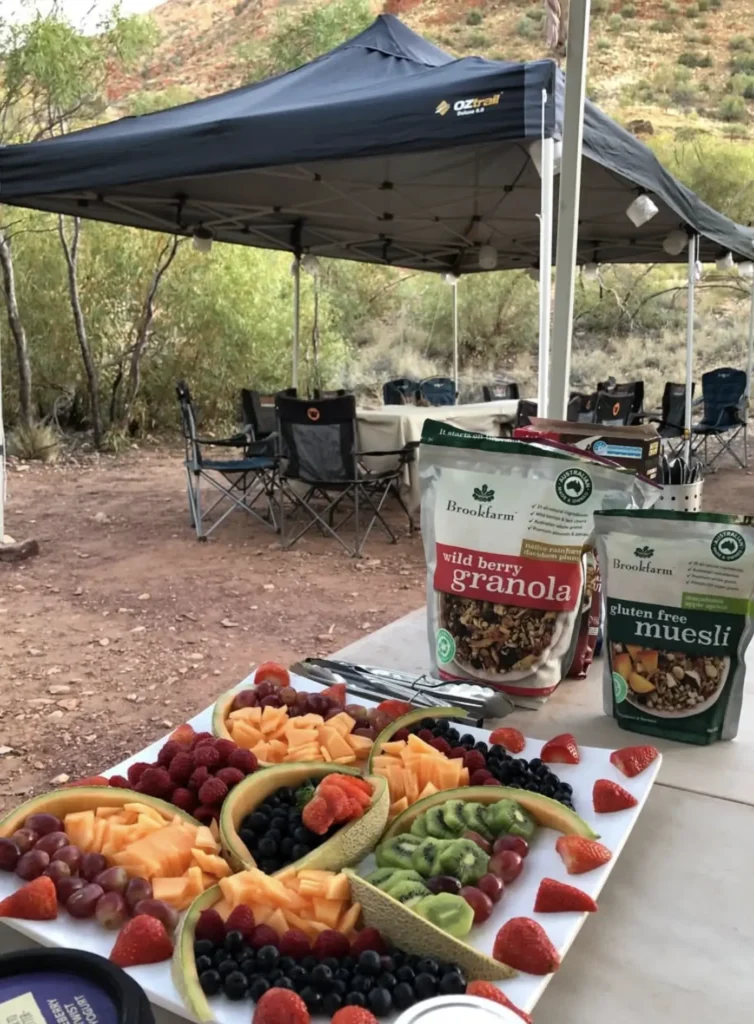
<point>745,63</point>
<point>670,85</point>
<point>692,11</point>
<point>535,13</point>
<point>715,3</point>
<point>732,109</point>
<point>38,443</point>
<point>740,43</point>
<point>478,41</point>
<point>615,23</point>
<point>671,7</point>
<point>705,40</point>
<point>600,6</point>
<point>665,25</point>
<point>474,18</point>
<point>603,44</point>
<point>741,85</point>
<point>526,28</point>
<point>695,60</point>
<point>628,11</point>
<point>703,5</point>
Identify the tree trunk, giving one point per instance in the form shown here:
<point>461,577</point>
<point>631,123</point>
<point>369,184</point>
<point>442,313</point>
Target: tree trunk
<point>25,409</point>
<point>71,253</point>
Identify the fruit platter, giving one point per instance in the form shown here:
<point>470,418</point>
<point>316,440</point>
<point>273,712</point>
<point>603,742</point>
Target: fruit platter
<point>291,855</point>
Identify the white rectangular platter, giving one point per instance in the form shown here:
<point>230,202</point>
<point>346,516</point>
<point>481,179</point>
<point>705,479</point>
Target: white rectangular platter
<point>543,861</point>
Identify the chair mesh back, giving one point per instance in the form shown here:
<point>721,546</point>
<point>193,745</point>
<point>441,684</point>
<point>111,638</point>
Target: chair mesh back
<point>261,418</point>
<point>583,407</point>
<point>500,391</point>
<point>318,438</point>
<point>632,387</point>
<point>438,390</point>
<point>400,391</point>
<point>612,409</point>
<point>525,413</point>
<point>574,408</point>
<point>674,406</point>
<point>722,391</point>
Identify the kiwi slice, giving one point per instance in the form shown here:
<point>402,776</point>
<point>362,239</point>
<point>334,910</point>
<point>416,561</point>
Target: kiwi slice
<point>419,827</point>
<point>381,876</point>
<point>465,860</point>
<point>436,826</point>
<point>396,852</point>
<point>425,857</point>
<point>509,816</point>
<point>398,876</point>
<point>407,892</point>
<point>475,816</point>
<point>452,815</point>
<point>451,913</point>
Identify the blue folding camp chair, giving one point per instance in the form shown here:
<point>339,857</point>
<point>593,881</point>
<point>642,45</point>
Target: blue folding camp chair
<point>500,391</point>
<point>246,483</point>
<point>400,391</point>
<point>725,414</point>
<point>672,417</point>
<point>438,391</point>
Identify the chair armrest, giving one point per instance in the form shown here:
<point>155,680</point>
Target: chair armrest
<point>237,441</point>
<point>408,449</point>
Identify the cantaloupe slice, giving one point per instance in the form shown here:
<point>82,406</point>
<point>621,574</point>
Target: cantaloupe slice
<point>278,921</point>
<point>328,912</point>
<point>252,715</point>
<point>205,840</point>
<point>414,743</point>
<point>79,827</point>
<point>169,890</point>
<point>428,790</point>
<point>223,908</point>
<point>350,919</point>
<point>145,809</point>
<point>107,812</point>
<point>210,863</point>
<point>246,735</point>
<point>399,806</point>
<point>361,745</point>
<point>338,888</point>
<point>342,723</point>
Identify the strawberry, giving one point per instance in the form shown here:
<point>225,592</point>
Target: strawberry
<point>608,796</point>
<point>281,1006</point>
<point>395,708</point>
<point>270,671</point>
<point>353,1015</point>
<point>523,944</point>
<point>93,780</point>
<point>513,741</point>
<point>336,692</point>
<point>241,919</point>
<point>184,735</point>
<point>339,803</point>
<point>36,901</point>
<point>486,990</point>
<point>555,897</point>
<point>633,760</point>
<point>561,749</point>
<point>317,816</point>
<point>210,926</point>
<point>142,940</point>
<point>581,855</point>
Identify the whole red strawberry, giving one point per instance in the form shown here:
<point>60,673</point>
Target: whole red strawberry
<point>395,708</point>
<point>37,901</point>
<point>353,1015</point>
<point>555,897</point>
<point>633,760</point>
<point>523,944</point>
<point>336,692</point>
<point>561,749</point>
<point>486,990</point>
<point>512,739</point>
<point>581,855</point>
<point>608,796</point>
<point>142,940</point>
<point>241,919</point>
<point>281,1006</point>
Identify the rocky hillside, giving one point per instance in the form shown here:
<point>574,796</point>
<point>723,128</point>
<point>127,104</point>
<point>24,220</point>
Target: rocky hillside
<point>664,62</point>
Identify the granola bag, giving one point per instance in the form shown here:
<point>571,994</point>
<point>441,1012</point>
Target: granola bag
<point>591,616</point>
<point>678,592</point>
<point>505,525</point>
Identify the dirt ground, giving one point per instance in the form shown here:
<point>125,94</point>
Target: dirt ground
<point>125,626</point>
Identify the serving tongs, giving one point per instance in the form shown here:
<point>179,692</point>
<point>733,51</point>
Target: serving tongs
<point>479,702</point>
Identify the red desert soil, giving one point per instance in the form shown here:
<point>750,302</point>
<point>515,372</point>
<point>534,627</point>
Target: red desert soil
<point>125,626</point>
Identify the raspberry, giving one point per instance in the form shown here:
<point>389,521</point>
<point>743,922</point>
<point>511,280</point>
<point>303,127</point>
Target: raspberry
<point>479,777</point>
<point>230,776</point>
<point>184,799</point>
<point>294,943</point>
<point>181,768</point>
<point>210,926</point>
<point>206,755</point>
<point>441,744</point>
<point>168,752</point>
<point>184,735</point>
<point>331,943</point>
<point>281,1006</point>
<point>241,919</point>
<point>401,734</point>
<point>353,1015</point>
<point>473,760</point>
<point>368,938</point>
<point>206,815</point>
<point>136,771</point>
<point>457,752</point>
<point>225,748</point>
<point>486,990</point>
<point>119,782</point>
<point>263,935</point>
<point>492,782</point>
<point>202,737</point>
<point>425,734</point>
<point>156,782</point>
<point>198,778</point>
<point>213,792</point>
<point>245,760</point>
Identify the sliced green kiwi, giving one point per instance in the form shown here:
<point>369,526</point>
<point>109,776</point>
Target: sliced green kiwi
<point>476,819</point>
<point>398,876</point>
<point>381,876</point>
<point>396,852</point>
<point>419,827</point>
<point>425,857</point>
<point>451,913</point>
<point>509,816</point>
<point>465,860</point>
<point>436,826</point>
<point>407,892</point>
<point>452,815</point>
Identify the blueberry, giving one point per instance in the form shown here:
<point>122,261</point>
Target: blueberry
<point>403,996</point>
<point>425,986</point>
<point>320,977</point>
<point>452,984</point>
<point>566,788</point>
<point>286,794</point>
<point>348,963</point>
<point>301,835</point>
<point>203,963</point>
<point>312,998</point>
<point>428,965</point>
<point>355,999</point>
<point>467,739</point>
<point>361,983</point>
<point>227,967</point>
<point>284,983</point>
<point>331,1003</point>
<point>522,763</point>
<point>388,964</point>
<point>310,962</point>
<point>268,956</point>
<point>249,838</point>
<point>273,836</point>
<point>386,980</point>
<point>286,848</point>
<point>286,963</point>
<point>269,865</point>
<point>299,850</point>
<point>258,822</point>
<point>482,747</point>
<point>210,982</point>
<point>331,962</point>
<point>203,947</point>
<point>427,723</point>
<point>249,967</point>
<point>297,972</point>
<point>234,942</point>
<point>235,986</point>
<point>380,1002</point>
<point>453,736</point>
<point>340,986</point>
<point>258,988</point>
<point>405,973</point>
<point>342,974</point>
<point>369,963</point>
<point>267,847</point>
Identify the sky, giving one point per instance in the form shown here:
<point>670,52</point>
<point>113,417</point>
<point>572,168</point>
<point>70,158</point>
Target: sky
<point>83,13</point>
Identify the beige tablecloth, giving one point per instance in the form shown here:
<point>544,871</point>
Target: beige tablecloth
<point>393,426</point>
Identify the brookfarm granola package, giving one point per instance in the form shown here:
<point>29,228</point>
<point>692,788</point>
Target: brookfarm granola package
<point>505,526</point>
<point>678,592</point>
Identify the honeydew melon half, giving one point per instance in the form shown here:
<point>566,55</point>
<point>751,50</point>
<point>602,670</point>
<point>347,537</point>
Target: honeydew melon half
<point>406,721</point>
<point>546,812</point>
<point>353,841</point>
<point>183,966</point>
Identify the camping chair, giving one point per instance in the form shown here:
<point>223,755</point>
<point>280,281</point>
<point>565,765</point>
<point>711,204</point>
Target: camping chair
<point>258,414</point>
<point>499,392</point>
<point>400,391</point>
<point>438,390</point>
<point>635,388</point>
<point>613,409</point>
<point>329,394</point>
<point>322,474</point>
<point>243,482</point>
<point>725,413</point>
<point>672,417</point>
<point>525,412</point>
<point>582,406</point>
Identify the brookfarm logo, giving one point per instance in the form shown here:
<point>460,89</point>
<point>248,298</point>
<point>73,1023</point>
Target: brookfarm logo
<point>483,493</point>
<point>728,546</point>
<point>573,487</point>
<point>644,552</point>
<point>483,496</point>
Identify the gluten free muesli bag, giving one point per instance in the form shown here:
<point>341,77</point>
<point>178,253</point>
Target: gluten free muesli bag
<point>505,526</point>
<point>678,590</point>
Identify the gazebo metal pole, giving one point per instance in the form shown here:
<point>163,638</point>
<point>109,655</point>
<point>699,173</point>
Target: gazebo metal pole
<point>750,351</point>
<point>296,319</point>
<point>693,249</point>
<point>455,337</point>
<point>568,207</point>
<point>547,192</point>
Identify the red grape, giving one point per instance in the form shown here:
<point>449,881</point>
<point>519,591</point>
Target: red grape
<point>444,883</point>
<point>70,855</point>
<point>32,864</point>
<point>317,704</point>
<point>476,838</point>
<point>332,712</point>
<point>515,843</point>
<point>245,699</point>
<point>113,879</point>
<point>91,865</point>
<point>111,911</point>
<point>52,842</point>
<point>288,696</point>
<point>265,689</point>
<point>66,887</point>
<point>9,855</point>
<point>357,712</point>
<point>138,889</point>
<point>491,886</point>
<point>57,871</point>
<point>43,823</point>
<point>506,865</point>
<point>379,720</point>
<point>272,700</point>
<point>402,734</point>
<point>480,903</point>
<point>367,732</point>
<point>25,839</point>
<point>84,901</point>
<point>161,910</point>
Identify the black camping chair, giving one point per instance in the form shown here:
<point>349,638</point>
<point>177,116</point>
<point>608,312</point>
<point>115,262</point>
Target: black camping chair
<point>613,409</point>
<point>438,391</point>
<point>322,474</point>
<point>400,391</point>
<point>672,417</point>
<point>525,412</point>
<point>501,391</point>
<point>330,394</point>
<point>581,406</point>
<point>244,482</point>
<point>634,388</point>
<point>725,414</point>
<point>258,414</point>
